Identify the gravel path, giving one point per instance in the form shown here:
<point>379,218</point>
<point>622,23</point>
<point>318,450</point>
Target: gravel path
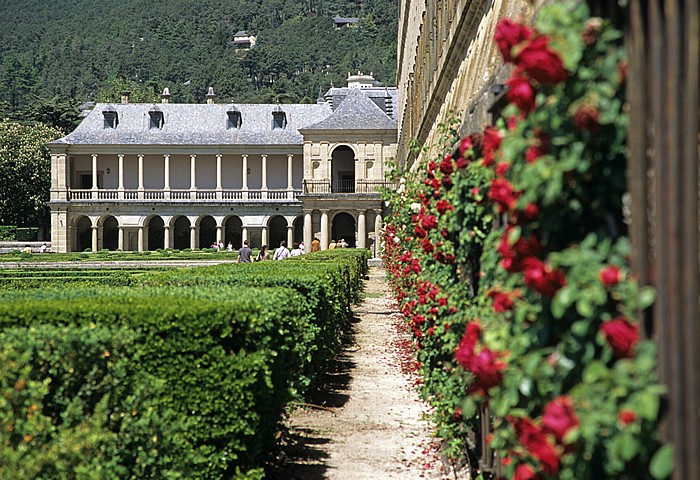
<point>368,422</point>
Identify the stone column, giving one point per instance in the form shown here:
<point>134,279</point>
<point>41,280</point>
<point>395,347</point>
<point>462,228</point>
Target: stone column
<point>244,234</point>
<point>264,236</point>
<point>140,239</point>
<point>120,242</point>
<point>120,188</point>
<point>290,235</point>
<point>377,232</point>
<point>166,236</point>
<point>361,229</point>
<point>245,177</point>
<point>264,175</point>
<point>193,177</point>
<point>140,188</point>
<point>290,172</point>
<point>219,194</point>
<point>324,230</point>
<point>94,176</point>
<point>193,237</point>
<point>219,233</point>
<point>308,231</point>
<point>95,246</point>
<point>166,177</point>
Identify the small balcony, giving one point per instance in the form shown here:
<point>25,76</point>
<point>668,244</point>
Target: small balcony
<point>326,187</point>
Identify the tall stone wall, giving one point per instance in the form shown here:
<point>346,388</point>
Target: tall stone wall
<point>449,65</point>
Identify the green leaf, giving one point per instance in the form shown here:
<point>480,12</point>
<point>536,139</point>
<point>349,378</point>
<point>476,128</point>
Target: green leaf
<point>661,465</point>
<point>646,297</point>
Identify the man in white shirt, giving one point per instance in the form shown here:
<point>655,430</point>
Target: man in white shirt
<point>281,253</point>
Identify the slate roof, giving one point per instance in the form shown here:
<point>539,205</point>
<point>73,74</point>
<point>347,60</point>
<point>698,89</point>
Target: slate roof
<point>196,124</point>
<point>336,95</point>
<point>356,112</point>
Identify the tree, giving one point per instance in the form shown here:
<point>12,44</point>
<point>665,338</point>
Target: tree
<point>25,173</point>
<point>138,92</point>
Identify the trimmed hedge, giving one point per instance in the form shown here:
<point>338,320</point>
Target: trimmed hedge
<point>185,377</point>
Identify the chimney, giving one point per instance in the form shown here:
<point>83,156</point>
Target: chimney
<point>125,96</point>
<point>210,96</point>
<point>165,96</point>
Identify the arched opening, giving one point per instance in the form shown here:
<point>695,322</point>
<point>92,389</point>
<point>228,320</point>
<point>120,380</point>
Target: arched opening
<point>156,233</point>
<point>233,232</point>
<point>343,170</point>
<point>278,231</point>
<point>110,234</point>
<point>181,234</point>
<point>299,229</point>
<point>207,232</point>
<point>84,236</point>
<point>344,228</point>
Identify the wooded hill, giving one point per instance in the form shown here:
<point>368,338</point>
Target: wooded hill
<point>55,55</point>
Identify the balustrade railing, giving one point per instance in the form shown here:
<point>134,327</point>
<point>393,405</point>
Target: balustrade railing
<point>325,187</point>
<point>209,195</point>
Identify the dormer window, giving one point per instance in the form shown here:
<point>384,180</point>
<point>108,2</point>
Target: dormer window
<point>234,120</point>
<point>279,120</point>
<point>111,118</point>
<point>155,119</point>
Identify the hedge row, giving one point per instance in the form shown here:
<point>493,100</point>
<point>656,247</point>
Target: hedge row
<point>185,377</point>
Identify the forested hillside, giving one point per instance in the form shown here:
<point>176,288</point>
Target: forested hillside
<point>55,55</point>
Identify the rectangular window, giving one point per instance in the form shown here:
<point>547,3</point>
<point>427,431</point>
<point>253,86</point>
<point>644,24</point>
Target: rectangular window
<point>234,120</point>
<point>111,120</point>
<point>156,120</point>
<point>279,120</point>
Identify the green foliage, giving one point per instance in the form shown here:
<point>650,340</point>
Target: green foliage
<point>25,173</point>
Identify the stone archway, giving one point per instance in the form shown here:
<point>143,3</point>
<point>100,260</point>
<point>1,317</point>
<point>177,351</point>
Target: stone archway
<point>299,229</point>
<point>343,170</point>
<point>156,233</point>
<point>207,231</point>
<point>278,231</point>
<point>83,238</point>
<point>181,233</point>
<point>344,227</point>
<point>110,233</point>
<point>233,232</point>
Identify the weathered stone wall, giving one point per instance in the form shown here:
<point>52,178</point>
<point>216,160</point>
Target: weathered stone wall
<point>449,65</point>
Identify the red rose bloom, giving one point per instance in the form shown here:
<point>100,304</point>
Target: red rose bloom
<point>521,93</point>
<point>502,301</point>
<point>586,118</point>
<point>447,182</point>
<point>627,416</point>
<point>509,34</point>
<point>502,168</point>
<point>559,417</point>
<point>540,148</point>
<point>431,168</point>
<point>492,140</point>
<point>487,368</point>
<point>610,276</point>
<point>429,222</point>
<point>427,246</point>
<point>502,193</point>
<point>541,63</point>
<point>462,163</point>
<point>442,206</point>
<point>524,472</point>
<point>447,165</point>
<point>622,336</point>
<point>541,277</point>
<point>465,145</point>
<point>535,441</point>
<point>419,232</point>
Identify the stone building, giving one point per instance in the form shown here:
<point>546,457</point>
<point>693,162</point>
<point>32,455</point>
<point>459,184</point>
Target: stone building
<point>148,176</point>
<point>449,65</point>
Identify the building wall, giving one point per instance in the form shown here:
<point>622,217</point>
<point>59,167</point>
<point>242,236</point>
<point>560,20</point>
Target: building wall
<point>447,63</point>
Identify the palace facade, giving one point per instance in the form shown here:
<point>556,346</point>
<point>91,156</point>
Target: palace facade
<point>154,176</point>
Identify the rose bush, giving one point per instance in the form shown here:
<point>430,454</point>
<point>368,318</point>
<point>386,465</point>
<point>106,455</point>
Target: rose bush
<point>507,254</point>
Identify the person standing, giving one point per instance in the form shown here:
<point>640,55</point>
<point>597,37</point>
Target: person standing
<point>244,253</point>
<point>315,245</point>
<point>332,245</point>
<point>263,254</point>
<point>281,253</point>
<point>296,251</point>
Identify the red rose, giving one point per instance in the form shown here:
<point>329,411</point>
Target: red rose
<point>419,232</point>
<point>521,93</point>
<point>586,118</point>
<point>431,168</point>
<point>622,336</point>
<point>513,255</point>
<point>535,441</point>
<point>492,140</point>
<point>462,163</point>
<point>447,182</point>
<point>527,214</point>
<point>541,63</point>
<point>429,222</point>
<point>427,246</point>
<point>502,193</point>
<point>524,472</point>
<point>447,165</point>
<point>559,417</point>
<point>442,206</point>
<point>509,34</point>
<point>540,148</point>
<point>487,368</point>
<point>627,416</point>
<point>502,168</point>
<point>610,276</point>
<point>464,145</point>
<point>541,277</point>
<point>502,301</point>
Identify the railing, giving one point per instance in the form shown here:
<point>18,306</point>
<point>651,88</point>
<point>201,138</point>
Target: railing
<point>324,187</point>
<point>238,195</point>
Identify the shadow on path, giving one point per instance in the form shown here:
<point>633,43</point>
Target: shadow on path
<point>303,454</point>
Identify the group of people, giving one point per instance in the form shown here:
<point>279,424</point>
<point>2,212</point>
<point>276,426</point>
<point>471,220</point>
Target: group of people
<point>339,244</point>
<point>245,254</point>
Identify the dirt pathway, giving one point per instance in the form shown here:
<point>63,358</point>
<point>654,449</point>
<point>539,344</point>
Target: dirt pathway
<point>371,424</point>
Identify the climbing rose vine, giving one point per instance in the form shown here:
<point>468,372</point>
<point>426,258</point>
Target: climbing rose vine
<point>506,251</point>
